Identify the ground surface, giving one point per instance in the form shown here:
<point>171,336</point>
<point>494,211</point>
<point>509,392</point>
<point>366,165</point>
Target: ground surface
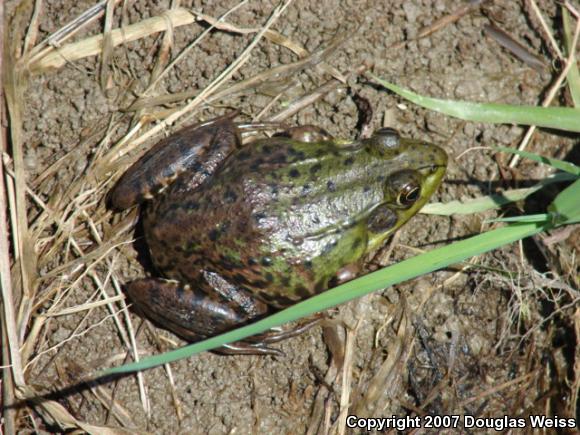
<point>445,346</point>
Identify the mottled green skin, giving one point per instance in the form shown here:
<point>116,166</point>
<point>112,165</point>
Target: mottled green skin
<point>280,217</point>
<point>239,231</point>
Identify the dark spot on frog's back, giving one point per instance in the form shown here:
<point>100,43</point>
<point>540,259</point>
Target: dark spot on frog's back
<point>260,284</point>
<point>284,301</point>
<point>258,217</point>
<point>230,196</point>
<point>302,292</point>
<point>320,286</point>
<point>244,154</point>
<point>297,155</point>
<point>285,281</point>
<point>331,186</point>
<point>279,159</point>
<point>218,231</point>
<point>349,161</point>
<point>229,263</point>
<point>256,164</point>
<point>191,248</point>
<point>329,247</point>
<point>320,152</point>
<point>267,297</point>
<point>273,189</point>
<point>214,234</point>
<point>314,169</point>
<point>191,205</point>
<point>266,148</point>
<point>291,150</point>
<point>240,279</point>
<point>294,173</point>
<point>164,244</point>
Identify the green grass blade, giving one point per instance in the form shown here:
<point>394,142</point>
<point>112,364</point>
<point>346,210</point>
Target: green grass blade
<point>561,118</point>
<point>562,165</point>
<point>573,76</point>
<point>405,270</point>
<point>566,206</point>
<point>489,202</point>
<point>541,217</point>
<point>480,204</point>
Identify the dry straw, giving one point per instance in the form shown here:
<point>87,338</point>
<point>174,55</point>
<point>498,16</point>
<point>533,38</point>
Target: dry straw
<point>70,235</point>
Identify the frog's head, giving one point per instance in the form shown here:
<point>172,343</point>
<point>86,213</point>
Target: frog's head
<point>415,171</point>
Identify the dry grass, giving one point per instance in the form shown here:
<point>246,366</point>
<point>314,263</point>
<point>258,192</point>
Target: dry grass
<point>70,240</point>
<point>70,237</point>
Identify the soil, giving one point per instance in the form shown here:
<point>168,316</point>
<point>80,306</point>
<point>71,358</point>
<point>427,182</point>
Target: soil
<point>459,341</point>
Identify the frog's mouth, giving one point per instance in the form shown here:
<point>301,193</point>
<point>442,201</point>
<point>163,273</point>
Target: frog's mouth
<point>432,178</point>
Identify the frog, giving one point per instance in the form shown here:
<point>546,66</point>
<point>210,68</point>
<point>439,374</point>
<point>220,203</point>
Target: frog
<point>238,232</point>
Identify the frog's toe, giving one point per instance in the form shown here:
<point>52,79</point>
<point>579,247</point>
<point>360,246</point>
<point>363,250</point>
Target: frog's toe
<point>256,345</point>
<point>244,348</point>
<point>276,335</point>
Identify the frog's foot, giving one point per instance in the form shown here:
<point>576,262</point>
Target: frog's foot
<point>245,348</point>
<point>256,345</point>
<point>275,335</point>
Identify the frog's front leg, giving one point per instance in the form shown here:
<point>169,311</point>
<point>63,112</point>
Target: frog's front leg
<point>198,149</point>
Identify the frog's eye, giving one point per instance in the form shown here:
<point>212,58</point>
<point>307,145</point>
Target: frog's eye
<point>387,137</point>
<point>403,188</point>
<point>408,195</point>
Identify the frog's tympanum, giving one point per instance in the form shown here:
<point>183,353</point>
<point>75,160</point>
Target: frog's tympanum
<point>240,231</point>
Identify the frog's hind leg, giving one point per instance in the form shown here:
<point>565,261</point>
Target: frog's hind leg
<point>197,149</point>
<point>194,314</point>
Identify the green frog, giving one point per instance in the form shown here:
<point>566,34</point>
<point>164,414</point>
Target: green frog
<point>240,231</point>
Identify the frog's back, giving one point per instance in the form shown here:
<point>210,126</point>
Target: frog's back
<point>266,219</point>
